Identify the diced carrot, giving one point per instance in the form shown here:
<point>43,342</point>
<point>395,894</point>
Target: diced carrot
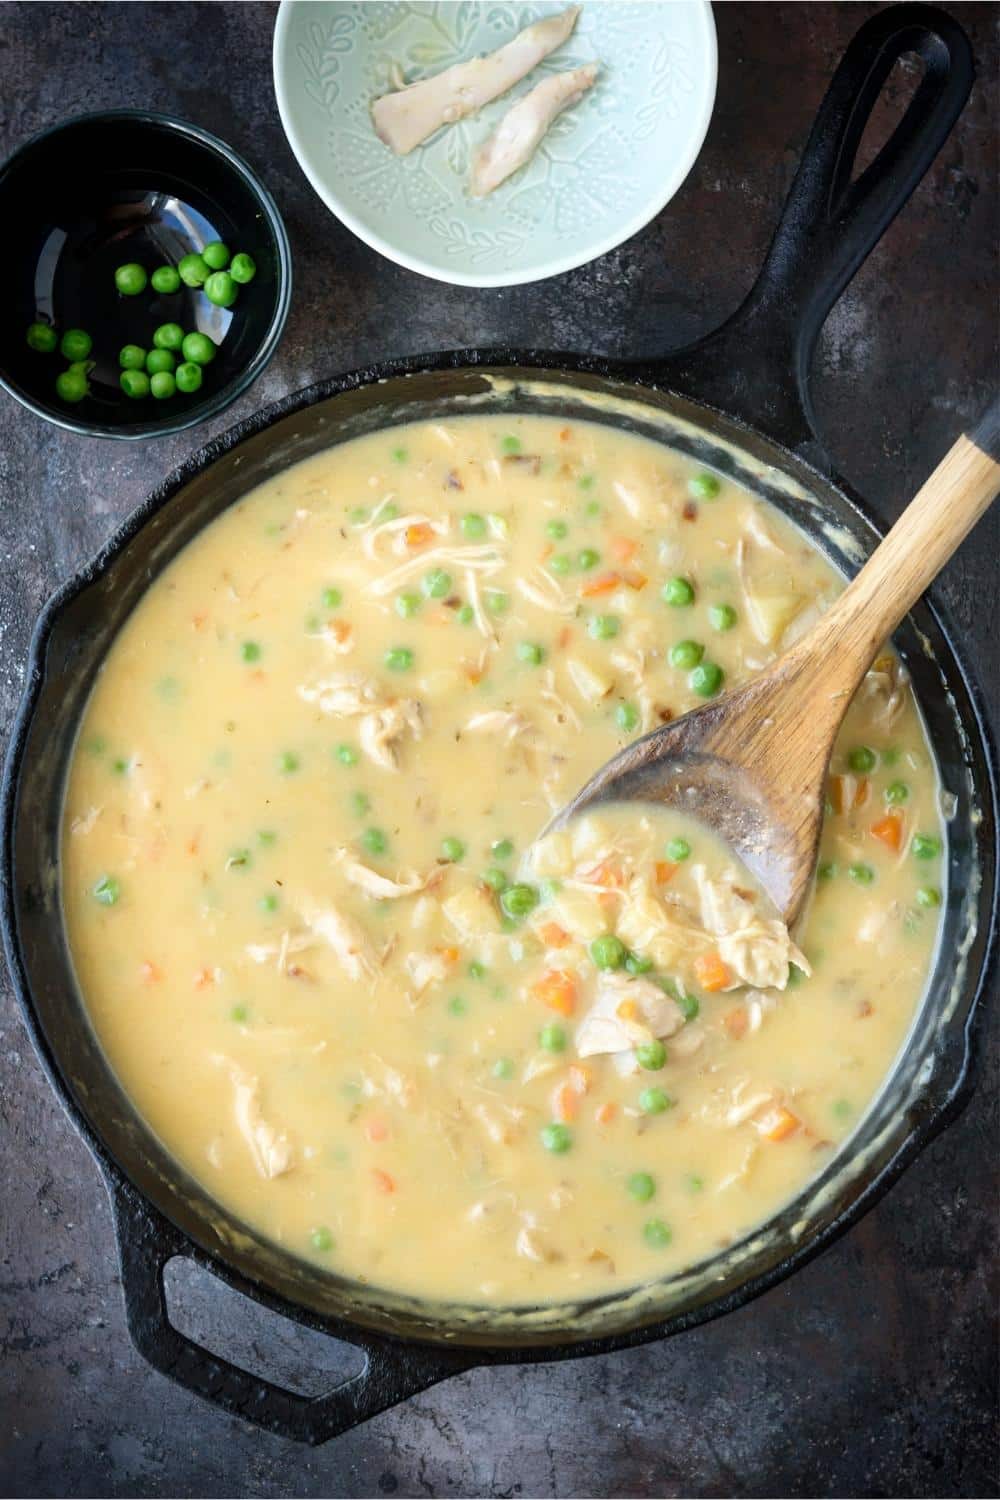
<point>383,1181</point>
<point>607,900</point>
<point>150,973</point>
<point>581,1077</point>
<point>605,584</point>
<point>553,936</point>
<point>340,630</point>
<point>607,873</point>
<point>200,619</point>
<point>191,847</point>
<point>626,1010</point>
<point>565,636</point>
<point>565,1102</point>
<point>450,955</point>
<point>622,548</point>
<point>736,1022</point>
<point>665,871</point>
<point>546,553</point>
<point>376,1130</point>
<point>889,831</point>
<point>565,433</point>
<point>778,1124</point>
<point>635,579</point>
<point>419,534</point>
<point>606,1112</point>
<point>711,973</point>
<point>204,977</point>
<point>258,675</point>
<point>557,990</point>
<point>864,1010</point>
<point>848,792</point>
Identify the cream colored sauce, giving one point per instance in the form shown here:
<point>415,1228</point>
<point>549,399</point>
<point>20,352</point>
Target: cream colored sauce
<point>343,1041</point>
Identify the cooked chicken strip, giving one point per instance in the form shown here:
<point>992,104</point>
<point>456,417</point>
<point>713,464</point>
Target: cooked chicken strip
<point>404,119</point>
<point>520,132</point>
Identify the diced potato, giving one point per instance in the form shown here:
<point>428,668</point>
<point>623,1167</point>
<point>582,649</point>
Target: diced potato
<point>470,912</point>
<point>552,855</point>
<point>589,683</point>
<point>580,914</point>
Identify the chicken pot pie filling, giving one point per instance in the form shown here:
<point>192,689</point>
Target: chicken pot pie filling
<point>329,955</point>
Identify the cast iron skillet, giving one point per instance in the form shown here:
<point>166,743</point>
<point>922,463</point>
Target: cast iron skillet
<point>738,400</point>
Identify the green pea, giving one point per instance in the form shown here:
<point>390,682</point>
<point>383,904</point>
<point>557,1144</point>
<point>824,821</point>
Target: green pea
<point>193,270</point>
<point>131,279</point>
<point>706,679</point>
<point>655,1101</point>
<point>360,801</point>
<point>465,614</point>
<point>560,563</point>
<point>476,970</point>
<point>703,486</point>
<point>162,384</point>
<point>530,652</point>
<point>861,874</point>
<point>501,849</point>
<point>168,336</point>
<point>896,792</point>
<point>586,482</point>
<point>552,1038</point>
<point>635,963</point>
<point>250,651</point>
<point>135,383</point>
<point>358,515</point>
<point>626,717</point>
<point>407,605</point>
<point>243,268</point>
<point>495,879</point>
<point>603,627</point>
<point>503,1068</point>
<point>678,850</point>
<point>288,762</point>
<point>608,951</point>
<point>160,361</point>
<point>473,525</point>
<point>688,1005</point>
<point>75,344</point>
<point>107,890</point>
<point>41,338</point>
<point>827,870</point>
<point>266,838</point>
<point>519,900</point>
<point>198,348</point>
<point>188,377</point>
<point>641,1186</point>
<point>928,895</point>
<point>693,1182</point>
<point>497,602</point>
<point>347,755</point>
<point>321,1239</point>
<point>436,584</point>
<point>399,456</point>
<point>840,1109</point>
<point>587,558</point>
<point>72,386</point>
<point>651,1055</point>
<point>862,759</point>
<point>132,357</point>
<point>686,654</point>
<point>678,592</point>
<point>398,658</point>
<point>331,598</point>
<point>216,255</point>
<point>374,840</point>
<point>925,846</point>
<point>722,616</point>
<point>510,444</point>
<point>221,289</point>
<point>452,850</point>
<point>656,1234</point>
<point>457,1006</point>
<point>239,1014</point>
<point>268,902</point>
<point>556,1138</point>
<point>165,280</point>
<point>556,530</point>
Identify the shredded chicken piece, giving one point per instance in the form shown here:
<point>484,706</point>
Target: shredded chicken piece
<point>625,1013</point>
<point>271,1149</point>
<point>531,1243</point>
<point>479,614</point>
<point>485,558</point>
<point>508,724</point>
<point>757,949</point>
<point>664,933</point>
<point>379,732</point>
<point>520,132</point>
<point>405,119</point>
<point>84,823</point>
<point>396,530</point>
<point>346,938</point>
<point>883,690</point>
<point>289,944</point>
<point>562,712</point>
<point>426,969</point>
<point>346,695</point>
<point>380,887</point>
<point>542,590</point>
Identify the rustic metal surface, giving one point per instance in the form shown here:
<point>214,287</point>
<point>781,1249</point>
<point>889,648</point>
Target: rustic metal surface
<point>874,1370</point>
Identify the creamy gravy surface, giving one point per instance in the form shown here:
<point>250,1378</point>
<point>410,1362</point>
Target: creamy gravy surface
<point>314,937</point>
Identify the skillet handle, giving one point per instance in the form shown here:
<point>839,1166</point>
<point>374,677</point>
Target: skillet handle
<point>392,1372</point>
<point>756,366</point>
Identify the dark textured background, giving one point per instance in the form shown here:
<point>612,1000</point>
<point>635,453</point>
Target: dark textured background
<point>873,1372</point>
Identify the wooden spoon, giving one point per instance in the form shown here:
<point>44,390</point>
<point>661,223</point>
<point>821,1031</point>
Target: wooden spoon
<point>752,766</point>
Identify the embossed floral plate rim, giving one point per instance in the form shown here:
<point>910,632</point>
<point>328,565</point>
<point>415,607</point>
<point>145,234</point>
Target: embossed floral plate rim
<point>320,166</point>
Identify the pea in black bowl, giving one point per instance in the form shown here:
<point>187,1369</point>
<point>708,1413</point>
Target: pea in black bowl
<point>103,190</point>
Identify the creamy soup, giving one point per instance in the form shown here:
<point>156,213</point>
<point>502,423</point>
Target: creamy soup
<point>327,957</point>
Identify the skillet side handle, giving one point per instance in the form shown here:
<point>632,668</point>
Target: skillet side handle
<point>756,366</point>
<point>146,1242</point>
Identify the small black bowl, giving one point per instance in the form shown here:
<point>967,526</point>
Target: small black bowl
<point>104,189</point>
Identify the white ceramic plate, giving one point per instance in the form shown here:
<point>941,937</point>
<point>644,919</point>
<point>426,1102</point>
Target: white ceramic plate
<point>603,171</point>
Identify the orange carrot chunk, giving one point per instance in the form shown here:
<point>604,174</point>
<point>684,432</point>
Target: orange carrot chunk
<point>889,831</point>
<point>383,1181</point>
<point>665,871</point>
<point>736,1022</point>
<point>565,1103</point>
<point>605,584</point>
<point>557,990</point>
<point>419,534</point>
<point>778,1124</point>
<point>553,936</point>
<point>622,548</point>
<point>605,1113</point>
<point>848,792</point>
<point>711,973</point>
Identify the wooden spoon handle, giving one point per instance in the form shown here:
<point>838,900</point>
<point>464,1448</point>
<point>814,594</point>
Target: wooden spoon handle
<point>940,516</point>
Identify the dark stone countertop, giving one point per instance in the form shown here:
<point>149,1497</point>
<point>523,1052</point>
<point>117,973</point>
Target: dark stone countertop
<point>871,1372</point>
